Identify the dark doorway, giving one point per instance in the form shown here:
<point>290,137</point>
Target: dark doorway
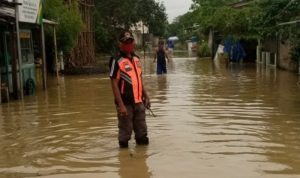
<point>250,49</point>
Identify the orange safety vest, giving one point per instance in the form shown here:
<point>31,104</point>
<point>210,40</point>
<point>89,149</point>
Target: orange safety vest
<point>130,80</point>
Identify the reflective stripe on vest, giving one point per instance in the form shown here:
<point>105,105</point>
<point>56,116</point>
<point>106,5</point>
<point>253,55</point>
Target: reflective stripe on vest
<point>131,72</point>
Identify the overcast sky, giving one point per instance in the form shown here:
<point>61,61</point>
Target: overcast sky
<point>175,8</point>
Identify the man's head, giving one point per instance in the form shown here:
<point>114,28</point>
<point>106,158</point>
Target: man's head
<point>126,42</point>
<point>126,36</point>
<point>161,43</point>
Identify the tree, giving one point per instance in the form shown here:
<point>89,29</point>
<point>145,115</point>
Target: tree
<point>272,12</point>
<point>220,16</point>
<point>204,15</point>
<point>115,15</point>
<point>278,11</point>
<point>183,27</point>
<point>69,22</point>
<point>158,20</point>
<point>259,20</point>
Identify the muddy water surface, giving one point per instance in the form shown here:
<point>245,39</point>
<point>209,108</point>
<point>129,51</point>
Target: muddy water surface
<point>211,121</point>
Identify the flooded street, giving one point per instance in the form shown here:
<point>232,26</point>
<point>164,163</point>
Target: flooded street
<point>211,121</point>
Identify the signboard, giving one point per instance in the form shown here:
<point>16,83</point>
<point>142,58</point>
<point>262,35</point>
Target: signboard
<point>30,11</point>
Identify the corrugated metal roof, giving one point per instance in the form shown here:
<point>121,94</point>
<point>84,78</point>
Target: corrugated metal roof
<point>7,11</point>
<point>7,8</point>
<point>50,22</point>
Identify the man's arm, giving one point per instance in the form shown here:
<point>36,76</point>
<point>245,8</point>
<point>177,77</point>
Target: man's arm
<point>121,107</point>
<point>167,56</point>
<point>114,72</point>
<point>116,91</point>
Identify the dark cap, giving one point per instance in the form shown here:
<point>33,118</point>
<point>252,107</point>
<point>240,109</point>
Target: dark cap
<point>126,35</point>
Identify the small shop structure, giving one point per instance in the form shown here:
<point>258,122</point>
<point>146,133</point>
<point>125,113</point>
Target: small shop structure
<point>22,49</point>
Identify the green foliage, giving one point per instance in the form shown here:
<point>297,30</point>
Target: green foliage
<point>69,22</point>
<point>153,14</point>
<point>272,12</point>
<point>113,16</point>
<point>157,20</point>
<point>218,15</point>
<point>256,20</point>
<point>204,50</point>
<point>259,19</point>
<point>183,27</point>
<point>278,11</point>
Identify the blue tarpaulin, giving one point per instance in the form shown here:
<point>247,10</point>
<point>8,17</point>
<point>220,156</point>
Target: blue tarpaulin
<point>234,49</point>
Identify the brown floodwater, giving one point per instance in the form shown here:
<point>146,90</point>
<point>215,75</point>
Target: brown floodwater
<point>211,121</point>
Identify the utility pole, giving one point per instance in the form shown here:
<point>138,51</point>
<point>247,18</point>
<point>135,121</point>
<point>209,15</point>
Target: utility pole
<point>19,50</point>
<point>44,64</point>
<point>55,53</point>
<point>14,63</point>
<point>143,41</point>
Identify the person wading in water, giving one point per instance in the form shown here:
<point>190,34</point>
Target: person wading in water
<point>131,98</point>
<point>160,56</point>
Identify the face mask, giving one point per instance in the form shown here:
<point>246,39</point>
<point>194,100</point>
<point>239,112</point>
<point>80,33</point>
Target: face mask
<point>127,48</point>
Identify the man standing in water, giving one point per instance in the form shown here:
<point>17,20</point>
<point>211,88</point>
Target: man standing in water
<point>161,56</point>
<point>131,98</point>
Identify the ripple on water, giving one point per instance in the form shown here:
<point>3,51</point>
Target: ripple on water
<point>212,121</point>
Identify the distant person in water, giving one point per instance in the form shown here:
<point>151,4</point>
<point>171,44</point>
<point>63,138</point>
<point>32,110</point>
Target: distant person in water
<point>170,46</point>
<point>161,56</point>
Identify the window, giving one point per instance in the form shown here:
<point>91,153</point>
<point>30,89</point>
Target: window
<point>26,47</point>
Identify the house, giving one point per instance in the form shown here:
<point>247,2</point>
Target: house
<point>140,31</point>
<point>244,50</point>
<point>283,50</point>
<point>21,34</point>
<point>275,51</point>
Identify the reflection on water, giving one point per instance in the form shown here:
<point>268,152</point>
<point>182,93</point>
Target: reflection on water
<point>133,163</point>
<point>211,120</point>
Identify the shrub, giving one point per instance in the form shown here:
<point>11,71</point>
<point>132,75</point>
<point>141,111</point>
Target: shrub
<point>204,50</point>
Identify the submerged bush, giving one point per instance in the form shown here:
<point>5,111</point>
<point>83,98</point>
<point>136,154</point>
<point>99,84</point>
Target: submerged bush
<point>204,50</point>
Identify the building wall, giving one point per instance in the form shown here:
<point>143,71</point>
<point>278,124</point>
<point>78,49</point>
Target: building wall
<point>270,45</point>
<point>140,27</point>
<point>282,48</point>
<point>138,37</point>
<point>284,57</point>
<point>140,31</point>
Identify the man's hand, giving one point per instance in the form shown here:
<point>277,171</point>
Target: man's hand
<point>147,103</point>
<point>122,111</point>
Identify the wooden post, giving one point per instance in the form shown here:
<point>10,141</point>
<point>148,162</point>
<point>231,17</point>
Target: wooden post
<point>44,58</point>
<point>0,84</point>
<point>55,53</point>
<point>14,64</point>
<point>19,53</point>
<point>258,52</point>
<point>143,38</point>
<point>143,41</point>
<point>278,43</point>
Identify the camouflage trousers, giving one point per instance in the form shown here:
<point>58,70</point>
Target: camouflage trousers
<point>134,121</point>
